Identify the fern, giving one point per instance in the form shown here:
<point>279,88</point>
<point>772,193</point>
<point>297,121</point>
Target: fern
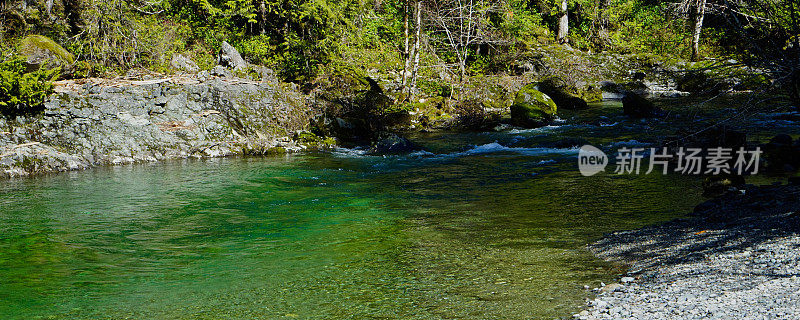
<point>23,93</point>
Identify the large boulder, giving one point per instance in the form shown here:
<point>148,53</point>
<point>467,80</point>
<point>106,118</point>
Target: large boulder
<point>781,154</point>
<point>717,185</point>
<point>698,82</point>
<point>41,51</point>
<point>636,106</point>
<point>230,58</point>
<point>355,108</point>
<point>565,96</point>
<point>723,136</point>
<point>532,108</point>
<point>181,62</point>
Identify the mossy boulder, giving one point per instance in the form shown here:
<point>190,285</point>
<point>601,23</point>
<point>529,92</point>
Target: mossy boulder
<point>311,140</point>
<point>42,51</point>
<point>532,108</point>
<point>592,94</point>
<point>637,86</point>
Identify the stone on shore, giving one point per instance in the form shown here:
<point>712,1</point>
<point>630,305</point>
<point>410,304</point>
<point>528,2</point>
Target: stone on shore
<point>108,125</point>
<point>41,51</point>
<point>180,62</point>
<point>229,57</point>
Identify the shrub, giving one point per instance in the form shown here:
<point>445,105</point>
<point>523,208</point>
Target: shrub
<point>23,93</point>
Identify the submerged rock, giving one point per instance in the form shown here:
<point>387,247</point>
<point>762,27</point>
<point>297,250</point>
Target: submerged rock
<point>391,143</point>
<point>636,106</point>
<point>532,108</point>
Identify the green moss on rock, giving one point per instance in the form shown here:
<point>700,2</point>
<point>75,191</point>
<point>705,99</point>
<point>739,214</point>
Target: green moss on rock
<point>592,94</point>
<point>38,47</point>
<point>532,108</point>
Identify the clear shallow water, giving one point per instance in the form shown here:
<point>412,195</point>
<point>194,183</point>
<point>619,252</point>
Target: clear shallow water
<point>481,225</point>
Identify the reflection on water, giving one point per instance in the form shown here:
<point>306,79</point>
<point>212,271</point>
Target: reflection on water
<point>482,225</point>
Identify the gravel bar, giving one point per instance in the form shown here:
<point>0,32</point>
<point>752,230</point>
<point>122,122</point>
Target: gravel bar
<point>736,257</point>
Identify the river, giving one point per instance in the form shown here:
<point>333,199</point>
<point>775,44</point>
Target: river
<point>479,225</point>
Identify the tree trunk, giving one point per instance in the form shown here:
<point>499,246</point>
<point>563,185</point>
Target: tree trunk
<point>418,31</point>
<point>2,20</point>
<point>262,24</point>
<point>72,12</point>
<point>602,13</point>
<point>563,24</point>
<point>700,11</point>
<point>405,54</point>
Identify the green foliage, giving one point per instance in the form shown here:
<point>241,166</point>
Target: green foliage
<point>116,35</point>
<point>524,25</point>
<point>309,41</point>
<point>21,92</point>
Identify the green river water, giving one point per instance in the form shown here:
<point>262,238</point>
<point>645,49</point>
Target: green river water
<point>480,226</point>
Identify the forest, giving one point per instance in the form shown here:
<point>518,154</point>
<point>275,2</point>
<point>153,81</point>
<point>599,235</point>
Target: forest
<point>420,46</point>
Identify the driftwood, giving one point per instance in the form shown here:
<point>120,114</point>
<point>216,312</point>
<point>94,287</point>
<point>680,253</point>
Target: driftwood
<point>77,84</point>
<point>207,113</point>
<point>172,126</point>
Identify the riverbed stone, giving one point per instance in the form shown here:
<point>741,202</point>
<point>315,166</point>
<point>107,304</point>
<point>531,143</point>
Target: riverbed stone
<point>532,108</point>
<point>636,106</point>
<point>564,95</point>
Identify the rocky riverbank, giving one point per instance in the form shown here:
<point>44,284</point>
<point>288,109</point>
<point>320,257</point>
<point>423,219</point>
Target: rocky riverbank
<point>735,258</point>
<point>95,122</point>
<point>212,113</point>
